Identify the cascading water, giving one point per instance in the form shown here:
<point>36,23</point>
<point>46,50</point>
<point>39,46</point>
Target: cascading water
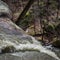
<point>13,39</point>
<point>24,45</point>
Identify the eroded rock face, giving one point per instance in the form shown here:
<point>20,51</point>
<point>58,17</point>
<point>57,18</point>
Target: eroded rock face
<point>4,10</point>
<point>21,46</point>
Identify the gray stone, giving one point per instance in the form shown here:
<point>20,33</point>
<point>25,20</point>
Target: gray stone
<point>28,55</point>
<point>4,10</point>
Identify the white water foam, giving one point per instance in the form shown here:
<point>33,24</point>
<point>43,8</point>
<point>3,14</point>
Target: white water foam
<point>31,47</point>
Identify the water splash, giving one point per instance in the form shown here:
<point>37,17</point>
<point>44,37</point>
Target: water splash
<point>36,47</point>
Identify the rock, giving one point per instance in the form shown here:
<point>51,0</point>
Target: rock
<point>13,38</point>
<point>27,55</point>
<point>4,10</point>
<point>57,51</point>
<point>30,30</point>
<point>8,49</point>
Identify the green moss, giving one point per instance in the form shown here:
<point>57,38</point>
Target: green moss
<point>8,49</point>
<point>27,20</point>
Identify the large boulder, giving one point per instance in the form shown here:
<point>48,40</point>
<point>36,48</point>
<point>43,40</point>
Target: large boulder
<point>27,55</point>
<point>14,39</point>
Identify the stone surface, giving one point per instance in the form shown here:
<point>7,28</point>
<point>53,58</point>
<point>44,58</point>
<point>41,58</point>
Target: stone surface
<point>4,10</point>
<point>28,55</point>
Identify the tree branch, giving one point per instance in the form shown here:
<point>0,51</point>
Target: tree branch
<point>30,2</point>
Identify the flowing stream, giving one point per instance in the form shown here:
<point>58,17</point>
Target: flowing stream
<point>24,45</point>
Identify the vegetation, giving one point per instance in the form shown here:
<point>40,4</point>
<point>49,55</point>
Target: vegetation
<point>47,13</point>
<point>27,20</point>
<point>44,15</point>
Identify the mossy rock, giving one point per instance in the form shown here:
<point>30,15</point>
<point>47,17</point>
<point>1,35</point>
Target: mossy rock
<point>8,49</point>
<point>56,44</point>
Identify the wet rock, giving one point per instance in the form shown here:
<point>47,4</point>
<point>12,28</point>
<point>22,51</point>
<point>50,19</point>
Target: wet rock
<point>57,51</point>
<point>27,55</point>
<point>21,42</point>
<point>4,10</point>
<point>8,49</point>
